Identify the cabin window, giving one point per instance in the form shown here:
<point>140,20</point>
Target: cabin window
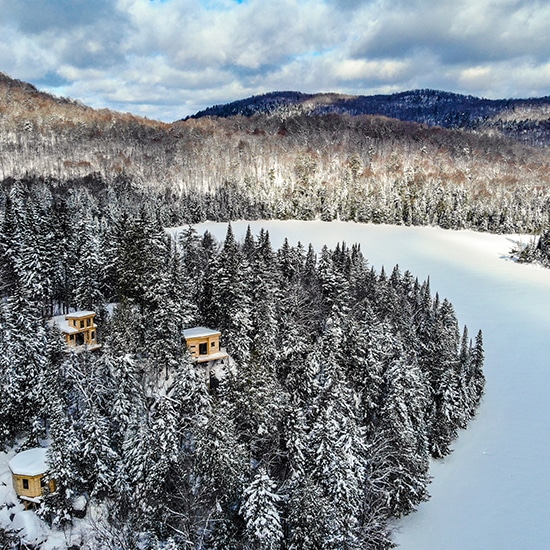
<point>71,337</point>
<point>88,322</point>
<point>81,324</point>
<point>25,483</point>
<point>213,344</point>
<point>203,348</point>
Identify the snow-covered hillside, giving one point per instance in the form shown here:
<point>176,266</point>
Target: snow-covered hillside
<point>494,490</point>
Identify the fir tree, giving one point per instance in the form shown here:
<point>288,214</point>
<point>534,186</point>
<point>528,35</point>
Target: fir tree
<point>261,514</point>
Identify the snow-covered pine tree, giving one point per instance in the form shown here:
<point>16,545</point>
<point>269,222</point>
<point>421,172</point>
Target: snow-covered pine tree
<point>260,510</point>
<point>448,412</point>
<point>233,298</point>
<point>23,357</point>
<point>403,461</point>
<point>87,269</point>
<point>475,379</point>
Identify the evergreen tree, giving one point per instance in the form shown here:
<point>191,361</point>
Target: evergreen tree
<point>440,359</point>
<point>101,460</point>
<point>475,379</point>
<point>309,516</point>
<point>260,511</point>
<point>64,464</point>
<point>87,273</point>
<point>231,293</point>
<point>23,356</point>
<point>14,232</point>
<point>404,460</point>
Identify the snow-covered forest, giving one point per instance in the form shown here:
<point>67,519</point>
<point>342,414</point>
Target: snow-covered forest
<point>345,381</point>
<point>296,165</point>
<point>492,491</point>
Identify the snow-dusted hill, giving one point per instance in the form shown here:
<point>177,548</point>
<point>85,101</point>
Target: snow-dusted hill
<point>494,490</point>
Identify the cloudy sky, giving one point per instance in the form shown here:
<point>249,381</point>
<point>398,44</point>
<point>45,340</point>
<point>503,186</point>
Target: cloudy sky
<point>166,59</point>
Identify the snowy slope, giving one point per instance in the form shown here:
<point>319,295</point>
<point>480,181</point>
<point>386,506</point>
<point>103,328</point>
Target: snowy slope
<point>494,490</point>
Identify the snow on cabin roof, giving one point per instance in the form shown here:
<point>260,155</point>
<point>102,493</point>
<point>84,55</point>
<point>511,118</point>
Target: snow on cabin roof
<point>79,314</point>
<point>60,322</point>
<point>199,332</point>
<point>29,463</point>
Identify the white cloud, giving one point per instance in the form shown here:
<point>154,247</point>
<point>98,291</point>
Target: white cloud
<point>361,69</point>
<point>169,58</point>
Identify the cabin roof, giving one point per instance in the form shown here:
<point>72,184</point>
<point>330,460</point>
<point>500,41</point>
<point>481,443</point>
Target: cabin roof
<point>29,463</point>
<point>60,322</point>
<point>79,314</point>
<point>200,332</point>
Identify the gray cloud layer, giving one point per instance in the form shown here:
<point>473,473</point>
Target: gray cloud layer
<point>168,58</point>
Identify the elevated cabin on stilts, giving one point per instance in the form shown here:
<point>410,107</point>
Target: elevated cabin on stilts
<point>28,470</point>
<point>204,344</point>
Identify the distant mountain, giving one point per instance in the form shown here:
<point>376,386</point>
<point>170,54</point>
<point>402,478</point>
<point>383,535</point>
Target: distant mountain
<point>527,120</point>
<point>22,106</point>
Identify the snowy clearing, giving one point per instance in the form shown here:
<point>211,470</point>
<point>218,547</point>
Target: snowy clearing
<point>494,490</point>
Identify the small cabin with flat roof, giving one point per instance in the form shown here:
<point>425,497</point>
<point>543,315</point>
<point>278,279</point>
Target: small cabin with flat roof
<point>78,329</point>
<point>204,344</point>
<point>28,471</point>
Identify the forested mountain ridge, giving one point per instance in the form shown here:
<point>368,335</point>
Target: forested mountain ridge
<point>526,120</point>
<point>300,165</point>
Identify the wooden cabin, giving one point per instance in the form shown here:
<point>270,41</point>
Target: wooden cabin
<point>204,344</point>
<point>28,470</point>
<point>78,329</point>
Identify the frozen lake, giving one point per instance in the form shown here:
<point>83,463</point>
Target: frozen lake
<point>493,491</point>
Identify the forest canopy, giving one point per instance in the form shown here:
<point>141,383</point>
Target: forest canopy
<point>343,381</point>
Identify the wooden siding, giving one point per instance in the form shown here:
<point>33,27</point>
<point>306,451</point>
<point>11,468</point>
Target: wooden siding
<point>34,485</point>
<point>86,330</point>
<point>211,343</point>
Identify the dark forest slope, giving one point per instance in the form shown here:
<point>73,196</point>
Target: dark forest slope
<point>527,120</point>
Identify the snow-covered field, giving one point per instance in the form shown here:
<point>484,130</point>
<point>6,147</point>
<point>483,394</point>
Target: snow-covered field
<point>493,491</point>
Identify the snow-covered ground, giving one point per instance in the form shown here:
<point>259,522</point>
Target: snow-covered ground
<point>493,491</point>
